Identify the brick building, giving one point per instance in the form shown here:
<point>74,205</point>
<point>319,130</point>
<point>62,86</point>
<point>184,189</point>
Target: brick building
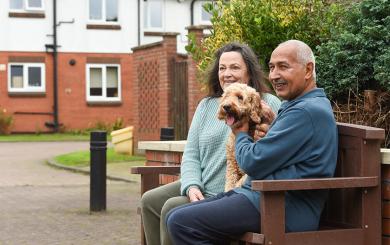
<point>76,63</point>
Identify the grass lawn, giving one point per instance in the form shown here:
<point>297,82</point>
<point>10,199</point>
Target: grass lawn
<point>46,137</point>
<point>81,158</point>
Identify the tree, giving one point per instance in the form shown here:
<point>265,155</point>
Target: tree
<point>263,24</point>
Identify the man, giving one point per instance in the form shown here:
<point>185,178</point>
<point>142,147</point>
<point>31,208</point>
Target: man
<point>300,143</point>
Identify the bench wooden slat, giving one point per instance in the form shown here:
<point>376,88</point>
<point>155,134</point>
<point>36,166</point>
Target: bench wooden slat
<point>362,131</point>
<point>333,237</point>
<point>155,170</point>
<point>252,237</point>
<point>313,184</point>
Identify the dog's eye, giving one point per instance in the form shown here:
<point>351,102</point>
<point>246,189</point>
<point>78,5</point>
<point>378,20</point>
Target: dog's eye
<point>240,97</point>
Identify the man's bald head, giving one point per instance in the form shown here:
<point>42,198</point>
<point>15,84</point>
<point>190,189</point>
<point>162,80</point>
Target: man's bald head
<point>291,70</point>
<point>304,54</point>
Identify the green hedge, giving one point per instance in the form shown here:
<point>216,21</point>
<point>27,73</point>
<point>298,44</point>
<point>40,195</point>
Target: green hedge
<point>358,58</point>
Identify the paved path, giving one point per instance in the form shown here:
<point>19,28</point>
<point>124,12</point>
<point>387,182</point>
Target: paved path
<point>42,205</point>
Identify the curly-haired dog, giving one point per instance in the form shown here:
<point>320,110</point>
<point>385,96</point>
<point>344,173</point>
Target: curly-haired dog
<point>239,103</point>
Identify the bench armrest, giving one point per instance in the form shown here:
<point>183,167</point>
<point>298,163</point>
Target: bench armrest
<point>314,184</point>
<point>155,170</point>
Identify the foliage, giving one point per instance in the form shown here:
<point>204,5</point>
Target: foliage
<point>109,127</point>
<point>358,58</point>
<point>5,122</point>
<point>356,110</point>
<point>263,24</point>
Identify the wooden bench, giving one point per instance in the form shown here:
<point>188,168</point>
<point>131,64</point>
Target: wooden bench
<point>352,215</point>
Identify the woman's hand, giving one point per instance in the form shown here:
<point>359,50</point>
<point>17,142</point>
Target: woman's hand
<point>194,194</point>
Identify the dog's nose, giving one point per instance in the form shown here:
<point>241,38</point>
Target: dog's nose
<point>227,107</point>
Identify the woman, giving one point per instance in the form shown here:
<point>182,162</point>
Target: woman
<point>204,158</point>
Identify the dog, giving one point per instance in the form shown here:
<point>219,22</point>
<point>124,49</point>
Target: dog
<point>239,103</point>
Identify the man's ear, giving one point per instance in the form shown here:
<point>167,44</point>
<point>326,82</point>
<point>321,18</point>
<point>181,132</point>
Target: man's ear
<point>309,70</point>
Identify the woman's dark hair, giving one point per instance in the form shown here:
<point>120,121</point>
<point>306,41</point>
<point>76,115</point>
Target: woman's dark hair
<point>256,75</point>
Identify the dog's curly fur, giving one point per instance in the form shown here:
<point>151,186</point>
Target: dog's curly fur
<point>239,103</point>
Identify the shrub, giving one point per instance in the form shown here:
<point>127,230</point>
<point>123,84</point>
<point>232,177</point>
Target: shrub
<point>263,24</point>
<point>109,127</point>
<point>359,57</point>
<point>356,110</point>
<point>5,122</point>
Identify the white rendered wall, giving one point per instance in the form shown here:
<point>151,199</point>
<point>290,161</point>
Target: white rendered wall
<point>176,17</point>
<point>77,38</point>
<point>31,34</point>
<point>24,34</point>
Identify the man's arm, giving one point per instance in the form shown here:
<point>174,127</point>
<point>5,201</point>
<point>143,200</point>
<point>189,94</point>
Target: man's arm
<point>288,138</point>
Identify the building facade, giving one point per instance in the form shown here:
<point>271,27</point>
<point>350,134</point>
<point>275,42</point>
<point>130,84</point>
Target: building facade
<point>69,64</point>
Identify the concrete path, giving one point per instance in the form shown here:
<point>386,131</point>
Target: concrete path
<point>41,205</point>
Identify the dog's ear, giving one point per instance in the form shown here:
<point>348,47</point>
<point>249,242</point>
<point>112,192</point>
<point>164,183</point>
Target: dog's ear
<point>255,107</point>
<point>221,113</point>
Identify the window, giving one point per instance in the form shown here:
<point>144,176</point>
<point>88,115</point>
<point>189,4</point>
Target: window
<point>153,14</point>
<point>103,83</point>
<point>26,77</point>
<point>103,10</point>
<point>205,17</point>
<point>26,5</point>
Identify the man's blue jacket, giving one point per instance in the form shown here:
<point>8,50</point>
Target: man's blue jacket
<point>301,143</point>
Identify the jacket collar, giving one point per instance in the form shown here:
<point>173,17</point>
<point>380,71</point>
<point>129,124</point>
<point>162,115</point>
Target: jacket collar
<point>317,92</point>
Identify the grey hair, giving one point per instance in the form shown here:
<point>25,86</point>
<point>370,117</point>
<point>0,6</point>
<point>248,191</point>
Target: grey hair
<point>304,53</point>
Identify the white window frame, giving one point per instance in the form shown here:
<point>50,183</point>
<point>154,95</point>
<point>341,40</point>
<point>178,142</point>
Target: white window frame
<point>103,97</point>
<point>147,26</point>
<point>103,19</point>
<point>26,88</point>
<point>201,21</point>
<point>26,7</point>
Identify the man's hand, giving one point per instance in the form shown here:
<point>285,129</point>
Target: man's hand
<point>267,119</point>
<point>194,194</point>
<point>268,114</point>
<point>261,131</point>
<point>243,128</point>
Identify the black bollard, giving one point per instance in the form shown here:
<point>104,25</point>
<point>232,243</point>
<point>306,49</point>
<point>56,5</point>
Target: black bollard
<point>98,144</point>
<point>167,134</point>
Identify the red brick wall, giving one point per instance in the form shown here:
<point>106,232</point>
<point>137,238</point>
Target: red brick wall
<point>74,112</point>
<point>195,94</point>
<point>152,85</point>
<point>164,158</point>
<point>152,88</point>
<point>22,107</point>
<point>31,112</point>
<point>146,91</point>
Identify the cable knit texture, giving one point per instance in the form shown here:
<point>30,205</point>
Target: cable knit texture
<point>204,158</point>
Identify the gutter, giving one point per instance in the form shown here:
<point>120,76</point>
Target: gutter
<point>139,22</point>
<point>55,69</point>
<point>55,124</point>
<point>192,11</point>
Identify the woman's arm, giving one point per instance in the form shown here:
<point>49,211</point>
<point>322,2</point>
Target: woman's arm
<point>190,166</point>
